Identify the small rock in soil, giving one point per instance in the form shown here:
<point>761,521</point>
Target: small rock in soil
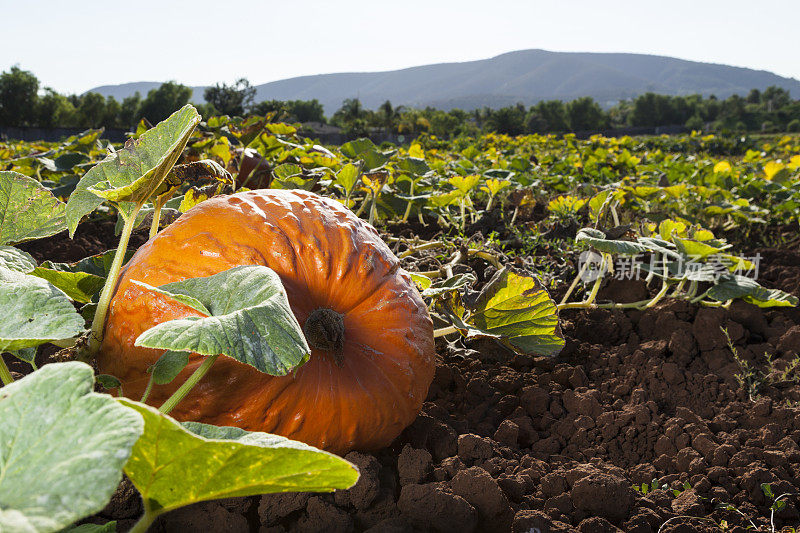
<point>479,488</point>
<point>324,517</point>
<point>413,465</point>
<point>274,507</point>
<point>603,495</point>
<point>364,492</point>
<point>430,507</point>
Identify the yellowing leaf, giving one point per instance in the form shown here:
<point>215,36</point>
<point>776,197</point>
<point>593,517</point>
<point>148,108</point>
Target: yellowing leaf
<point>564,205</point>
<point>772,168</point>
<point>494,186</point>
<point>222,150</point>
<point>794,162</point>
<point>416,151</point>
<point>191,199</point>
<point>722,166</point>
<point>668,227</point>
<point>465,183</point>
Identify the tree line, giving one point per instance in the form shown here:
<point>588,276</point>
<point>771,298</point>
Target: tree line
<point>24,103</point>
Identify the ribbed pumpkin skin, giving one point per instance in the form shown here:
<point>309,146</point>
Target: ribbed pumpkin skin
<point>326,257</point>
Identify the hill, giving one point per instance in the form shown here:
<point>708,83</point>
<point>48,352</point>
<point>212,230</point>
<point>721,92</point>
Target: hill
<point>526,76</point>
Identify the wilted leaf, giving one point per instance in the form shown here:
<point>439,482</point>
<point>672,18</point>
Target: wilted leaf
<point>513,308</point>
<point>27,209</point>
<point>597,239</point>
<point>134,173</point>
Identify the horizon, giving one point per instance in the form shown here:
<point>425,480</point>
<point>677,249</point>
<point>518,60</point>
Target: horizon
<point>434,64</point>
<point>424,33</point>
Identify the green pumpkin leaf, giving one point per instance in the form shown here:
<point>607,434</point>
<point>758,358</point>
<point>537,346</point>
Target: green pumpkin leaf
<point>25,354</point>
<point>287,170</point>
<point>249,319</point>
<point>62,448</point>
<point>347,177</point>
<point>353,149</point>
<point>34,311</point>
<point>168,366</point>
<point>133,174</point>
<point>17,260</point>
<point>79,286</point>
<point>68,160</point>
<point>414,166</point>
<point>749,290</point>
<point>597,239</point>
<point>107,381</point>
<point>28,210</point>
<point>697,249</point>
<point>174,465</point>
<point>448,198</point>
<point>98,265</point>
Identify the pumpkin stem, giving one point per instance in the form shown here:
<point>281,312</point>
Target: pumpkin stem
<point>324,330</point>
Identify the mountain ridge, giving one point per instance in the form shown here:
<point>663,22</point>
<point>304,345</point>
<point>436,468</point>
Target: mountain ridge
<point>525,76</point>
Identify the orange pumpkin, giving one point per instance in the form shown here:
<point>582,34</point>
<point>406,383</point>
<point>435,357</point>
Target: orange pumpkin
<point>355,392</point>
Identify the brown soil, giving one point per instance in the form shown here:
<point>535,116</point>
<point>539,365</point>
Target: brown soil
<point>515,443</point>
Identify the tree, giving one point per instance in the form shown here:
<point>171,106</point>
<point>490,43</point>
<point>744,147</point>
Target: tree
<point>162,102</point>
<point>279,107</point>
<point>351,110</point>
<point>650,110</point>
<point>508,120</point>
<point>585,114</point>
<point>754,97</point>
<point>548,116</point>
<point>388,116</point>
<point>129,110</point>
<point>91,110</point>
<point>54,110</point>
<point>111,116</point>
<point>775,98</point>
<point>18,97</point>
<point>306,110</point>
<point>231,100</point>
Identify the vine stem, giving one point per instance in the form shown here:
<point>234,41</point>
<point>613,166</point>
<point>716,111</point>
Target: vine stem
<point>489,203</point>
<point>441,332</point>
<point>157,205</point>
<point>408,205</point>
<point>99,322</point>
<point>143,524</point>
<point>419,248</point>
<point>147,389</point>
<point>574,283</point>
<point>599,280</point>
<point>188,385</point>
<point>372,209</point>
<point>5,373</point>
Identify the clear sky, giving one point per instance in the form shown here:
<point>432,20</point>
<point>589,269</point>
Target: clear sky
<point>75,45</point>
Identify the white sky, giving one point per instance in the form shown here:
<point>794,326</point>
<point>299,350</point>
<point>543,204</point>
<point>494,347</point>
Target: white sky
<point>75,45</point>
